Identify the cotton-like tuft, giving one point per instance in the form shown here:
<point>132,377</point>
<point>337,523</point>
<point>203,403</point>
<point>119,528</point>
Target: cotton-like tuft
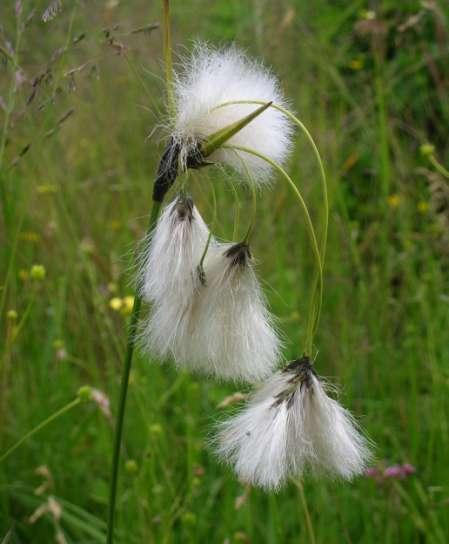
<point>236,338</point>
<point>173,252</point>
<point>169,277</point>
<point>290,426</point>
<point>210,77</point>
<point>216,322</point>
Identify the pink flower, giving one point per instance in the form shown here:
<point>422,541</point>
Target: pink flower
<point>408,469</point>
<point>395,471</point>
<point>373,472</point>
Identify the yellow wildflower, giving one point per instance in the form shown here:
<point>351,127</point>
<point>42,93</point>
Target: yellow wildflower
<point>127,305</point>
<point>38,272</point>
<point>47,188</point>
<point>115,304</point>
<point>423,206</point>
<point>356,64</point>
<point>427,149</point>
<point>394,200</point>
<point>12,315</point>
<point>155,428</point>
<point>131,466</point>
<point>30,236</point>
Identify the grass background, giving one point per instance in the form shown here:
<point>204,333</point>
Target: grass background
<point>77,160</point>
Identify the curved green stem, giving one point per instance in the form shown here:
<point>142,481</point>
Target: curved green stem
<point>324,184</point>
<point>252,184</point>
<point>306,511</point>
<point>209,238</point>
<point>39,427</point>
<point>252,223</point>
<point>235,228</point>
<point>310,231</point>
<point>123,393</point>
<point>309,137</point>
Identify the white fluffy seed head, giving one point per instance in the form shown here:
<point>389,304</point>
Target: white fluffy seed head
<point>236,335</point>
<point>289,426</point>
<point>254,440</point>
<point>220,327</point>
<point>210,77</point>
<point>169,279</point>
<point>172,253</point>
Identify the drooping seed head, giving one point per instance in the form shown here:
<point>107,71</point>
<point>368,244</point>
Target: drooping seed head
<point>208,79</point>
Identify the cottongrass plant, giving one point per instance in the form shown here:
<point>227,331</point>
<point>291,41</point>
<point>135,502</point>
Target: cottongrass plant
<point>290,426</point>
<point>208,312</point>
<point>212,316</point>
<point>174,251</point>
<point>211,77</point>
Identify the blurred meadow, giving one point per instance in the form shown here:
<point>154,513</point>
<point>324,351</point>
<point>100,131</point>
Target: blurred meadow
<point>81,116</point>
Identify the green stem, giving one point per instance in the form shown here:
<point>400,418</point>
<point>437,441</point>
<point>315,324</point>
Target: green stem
<point>39,427</point>
<point>209,238</point>
<point>252,223</point>
<point>235,228</point>
<point>168,58</point>
<point>310,231</point>
<point>306,512</point>
<point>252,184</point>
<point>123,393</point>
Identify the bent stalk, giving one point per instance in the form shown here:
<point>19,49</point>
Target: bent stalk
<point>324,184</point>
<point>310,231</point>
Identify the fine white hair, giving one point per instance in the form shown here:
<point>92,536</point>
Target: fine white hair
<point>210,77</point>
<point>169,278</point>
<point>172,252</point>
<point>290,426</point>
<point>236,336</point>
<point>216,320</point>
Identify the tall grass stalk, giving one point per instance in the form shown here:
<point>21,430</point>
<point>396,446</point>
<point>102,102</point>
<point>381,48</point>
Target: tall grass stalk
<point>123,394</point>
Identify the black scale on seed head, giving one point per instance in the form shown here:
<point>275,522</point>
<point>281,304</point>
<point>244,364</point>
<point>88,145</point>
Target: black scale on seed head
<point>302,372</point>
<point>239,254</point>
<point>184,207</point>
<point>168,167</point>
<point>167,170</point>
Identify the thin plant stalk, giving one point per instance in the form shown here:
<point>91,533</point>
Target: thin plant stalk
<point>124,391</point>
<point>209,237</point>
<point>306,512</point>
<point>168,62</point>
<point>310,231</point>
<point>137,300</point>
<point>253,199</point>
<point>39,427</point>
<point>236,225</point>
<point>252,223</point>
